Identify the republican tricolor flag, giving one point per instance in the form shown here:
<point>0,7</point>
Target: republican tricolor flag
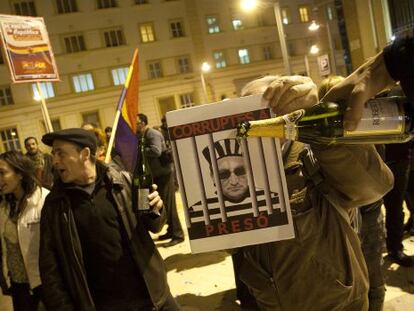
<point>125,124</point>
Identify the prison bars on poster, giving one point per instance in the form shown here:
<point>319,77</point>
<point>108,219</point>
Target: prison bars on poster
<point>250,179</point>
<point>263,168</point>
<point>217,178</point>
<point>200,181</point>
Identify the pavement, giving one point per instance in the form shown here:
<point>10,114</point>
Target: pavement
<point>205,282</point>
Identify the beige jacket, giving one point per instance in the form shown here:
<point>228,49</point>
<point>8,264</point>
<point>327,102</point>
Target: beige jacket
<point>28,230</point>
<point>323,268</point>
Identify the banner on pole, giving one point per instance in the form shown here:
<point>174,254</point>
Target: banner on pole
<point>234,192</point>
<point>27,49</point>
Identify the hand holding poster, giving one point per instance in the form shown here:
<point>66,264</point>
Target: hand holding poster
<point>27,47</point>
<point>234,192</point>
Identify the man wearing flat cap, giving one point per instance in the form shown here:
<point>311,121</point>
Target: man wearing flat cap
<point>95,251</point>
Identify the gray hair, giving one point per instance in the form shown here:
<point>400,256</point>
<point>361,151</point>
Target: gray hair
<point>257,86</point>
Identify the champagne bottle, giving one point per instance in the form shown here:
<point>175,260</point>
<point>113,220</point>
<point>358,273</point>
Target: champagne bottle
<point>142,180</point>
<point>384,120</point>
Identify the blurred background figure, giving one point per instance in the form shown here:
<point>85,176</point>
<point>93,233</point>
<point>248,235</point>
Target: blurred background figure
<point>42,161</point>
<point>108,131</point>
<point>20,230</point>
<point>161,169</point>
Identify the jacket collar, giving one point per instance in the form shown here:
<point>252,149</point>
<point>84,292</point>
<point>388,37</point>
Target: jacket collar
<point>103,170</point>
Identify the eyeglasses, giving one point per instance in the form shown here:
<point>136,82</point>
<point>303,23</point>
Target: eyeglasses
<point>238,171</point>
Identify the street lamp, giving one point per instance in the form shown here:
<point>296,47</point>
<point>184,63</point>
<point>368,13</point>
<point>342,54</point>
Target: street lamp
<point>249,5</point>
<point>205,67</point>
<point>314,49</point>
<point>314,27</point>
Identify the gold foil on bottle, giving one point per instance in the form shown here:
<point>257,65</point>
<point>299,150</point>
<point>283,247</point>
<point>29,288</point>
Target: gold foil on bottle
<point>274,127</point>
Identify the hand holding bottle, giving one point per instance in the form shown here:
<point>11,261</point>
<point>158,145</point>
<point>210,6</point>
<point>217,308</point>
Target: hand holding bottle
<point>155,201</point>
<point>356,89</point>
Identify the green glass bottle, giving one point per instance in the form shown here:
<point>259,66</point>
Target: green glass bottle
<point>384,120</point>
<point>142,180</point>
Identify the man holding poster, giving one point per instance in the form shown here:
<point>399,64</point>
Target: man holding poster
<point>323,267</point>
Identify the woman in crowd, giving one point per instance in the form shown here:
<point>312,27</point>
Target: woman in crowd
<point>20,211</point>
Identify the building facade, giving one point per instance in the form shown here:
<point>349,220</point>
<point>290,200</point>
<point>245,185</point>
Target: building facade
<point>93,42</point>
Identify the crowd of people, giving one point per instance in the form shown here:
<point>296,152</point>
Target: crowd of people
<point>70,239</point>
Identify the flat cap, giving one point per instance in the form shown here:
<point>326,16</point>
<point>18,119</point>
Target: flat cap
<point>77,136</point>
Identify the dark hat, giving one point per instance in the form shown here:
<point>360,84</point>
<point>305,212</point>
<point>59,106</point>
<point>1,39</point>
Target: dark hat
<point>77,136</point>
<point>223,148</point>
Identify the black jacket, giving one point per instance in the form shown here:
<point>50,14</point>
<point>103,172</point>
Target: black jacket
<point>61,266</point>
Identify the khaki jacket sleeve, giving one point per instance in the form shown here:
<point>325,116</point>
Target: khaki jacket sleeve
<point>355,173</point>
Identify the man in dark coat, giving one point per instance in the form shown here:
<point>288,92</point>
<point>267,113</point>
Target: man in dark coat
<point>95,251</point>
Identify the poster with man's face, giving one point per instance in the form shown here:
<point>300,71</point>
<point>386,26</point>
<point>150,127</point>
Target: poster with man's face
<point>234,191</point>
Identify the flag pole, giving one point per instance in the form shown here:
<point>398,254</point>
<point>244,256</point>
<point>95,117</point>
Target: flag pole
<point>119,109</point>
<point>114,126</point>
<point>45,113</point>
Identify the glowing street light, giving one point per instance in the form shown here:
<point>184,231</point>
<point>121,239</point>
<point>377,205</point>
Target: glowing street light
<point>205,67</point>
<point>248,5</point>
<point>314,49</point>
<point>314,26</point>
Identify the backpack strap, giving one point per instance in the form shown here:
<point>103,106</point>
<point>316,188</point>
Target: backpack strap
<point>312,171</point>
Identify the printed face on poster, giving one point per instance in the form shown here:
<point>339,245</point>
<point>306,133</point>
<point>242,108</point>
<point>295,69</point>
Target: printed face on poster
<point>234,191</point>
<point>27,48</point>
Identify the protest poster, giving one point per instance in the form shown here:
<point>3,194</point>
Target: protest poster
<point>234,191</point>
<point>27,49</point>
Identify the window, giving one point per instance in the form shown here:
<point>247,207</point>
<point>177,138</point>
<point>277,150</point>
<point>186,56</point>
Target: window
<point>114,37</point>
<point>119,75</point>
<point>329,13</point>
<point>186,100</point>
<point>83,83</point>
<point>55,125</point>
<point>177,29</point>
<point>105,4</point>
<point>6,97</point>
<point>147,33</point>
<point>219,59</point>
<point>184,65</point>
<point>267,52</point>
<point>25,8</point>
<point>304,14</point>
<point>141,1</point>
<point>91,117</point>
<point>10,139</point>
<point>244,56</point>
<point>155,70</point>
<point>213,24</point>
<point>237,24</point>
<point>74,44</point>
<point>47,90</point>
<point>66,6</point>
<point>285,12</point>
